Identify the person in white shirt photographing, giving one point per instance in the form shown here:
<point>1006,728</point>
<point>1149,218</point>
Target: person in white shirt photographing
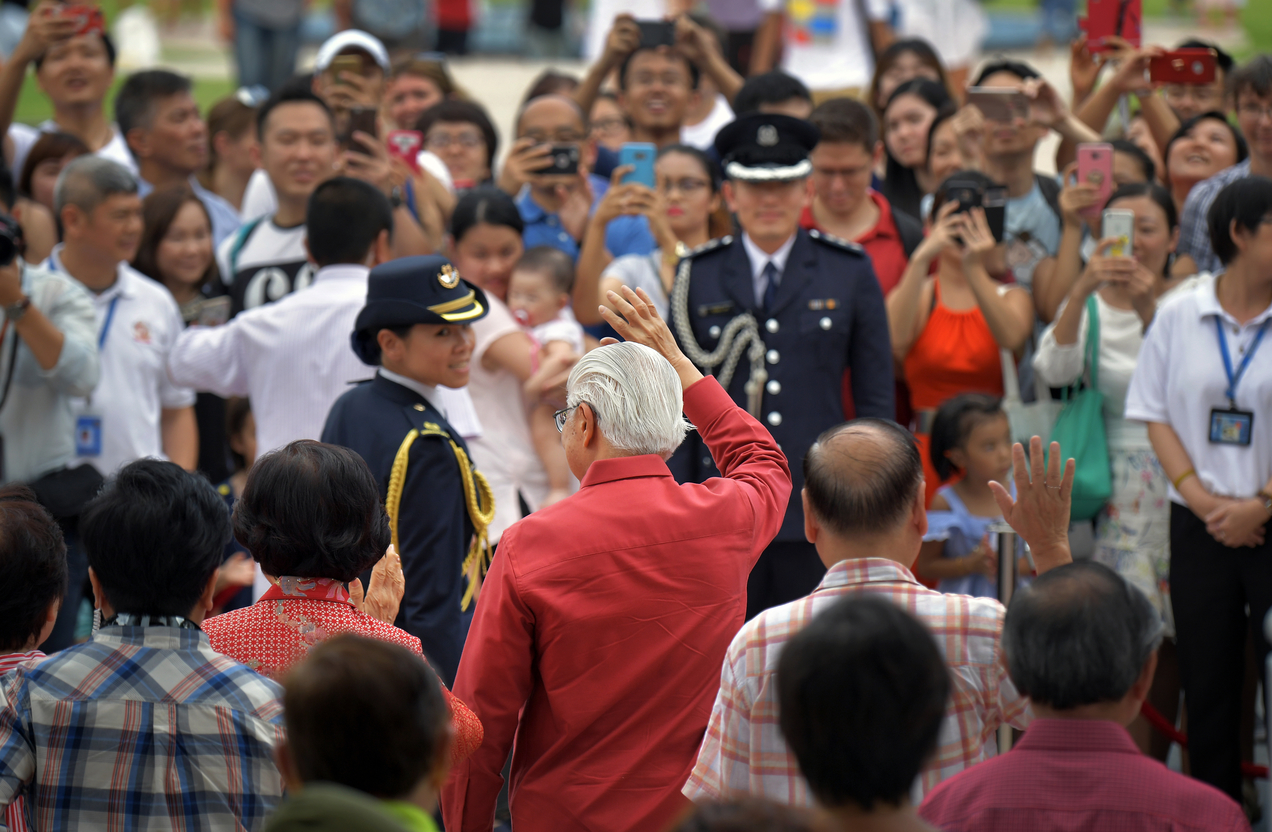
<point>135,411</point>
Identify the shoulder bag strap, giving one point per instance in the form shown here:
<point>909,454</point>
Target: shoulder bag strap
<point>1093,341</point>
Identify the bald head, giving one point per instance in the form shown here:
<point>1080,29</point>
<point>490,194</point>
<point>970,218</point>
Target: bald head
<point>862,477</point>
<point>552,118</point>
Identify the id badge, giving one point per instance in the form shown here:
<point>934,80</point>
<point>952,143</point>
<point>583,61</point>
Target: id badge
<point>1231,427</point>
<point>88,435</point>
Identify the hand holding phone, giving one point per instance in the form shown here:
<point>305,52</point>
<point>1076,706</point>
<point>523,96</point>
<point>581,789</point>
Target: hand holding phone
<point>1120,224</point>
<point>363,120</point>
<point>1183,66</point>
<point>405,145</point>
<point>655,33</point>
<point>640,156</point>
<point>999,103</point>
<point>345,63</point>
<point>1095,168</point>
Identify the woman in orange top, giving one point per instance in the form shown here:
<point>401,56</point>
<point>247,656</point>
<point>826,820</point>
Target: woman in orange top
<point>947,329</point>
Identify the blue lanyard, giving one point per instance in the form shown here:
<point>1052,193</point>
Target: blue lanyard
<point>110,316</point>
<point>1233,378</point>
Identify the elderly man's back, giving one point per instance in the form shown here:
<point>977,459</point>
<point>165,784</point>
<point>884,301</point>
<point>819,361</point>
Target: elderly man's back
<point>606,616</point>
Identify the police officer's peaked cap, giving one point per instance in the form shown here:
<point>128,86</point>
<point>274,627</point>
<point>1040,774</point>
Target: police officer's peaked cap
<point>766,147</point>
<point>414,290</point>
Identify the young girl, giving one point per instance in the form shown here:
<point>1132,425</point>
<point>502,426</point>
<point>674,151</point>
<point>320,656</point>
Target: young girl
<point>970,436</point>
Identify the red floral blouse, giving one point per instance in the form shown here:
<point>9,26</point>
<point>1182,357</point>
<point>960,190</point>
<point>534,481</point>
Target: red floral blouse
<point>297,613</point>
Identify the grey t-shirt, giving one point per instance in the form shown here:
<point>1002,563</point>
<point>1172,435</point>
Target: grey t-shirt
<point>640,271</point>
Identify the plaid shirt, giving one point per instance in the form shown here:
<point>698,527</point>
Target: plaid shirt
<point>743,750</point>
<point>141,728</point>
<point>1194,234</point>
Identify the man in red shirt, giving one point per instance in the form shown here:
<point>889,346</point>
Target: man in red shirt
<point>604,618</point>
<point>843,203</point>
<point>846,206</point>
<point>1082,644</point>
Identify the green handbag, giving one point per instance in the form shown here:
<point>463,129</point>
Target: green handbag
<point>1080,431</point>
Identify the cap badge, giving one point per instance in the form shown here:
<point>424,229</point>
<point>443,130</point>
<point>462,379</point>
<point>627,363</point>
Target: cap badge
<point>448,277</point>
<point>767,135</point>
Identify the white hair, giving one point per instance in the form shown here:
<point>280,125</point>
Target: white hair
<point>636,396</point>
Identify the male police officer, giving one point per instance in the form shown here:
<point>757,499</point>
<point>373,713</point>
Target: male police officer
<point>416,326</point>
<point>779,313</point>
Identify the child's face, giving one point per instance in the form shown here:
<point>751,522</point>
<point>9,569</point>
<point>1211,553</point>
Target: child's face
<point>986,455</point>
<point>532,298</point>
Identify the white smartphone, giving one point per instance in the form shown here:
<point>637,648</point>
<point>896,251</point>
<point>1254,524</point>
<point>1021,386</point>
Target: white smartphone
<point>1120,224</point>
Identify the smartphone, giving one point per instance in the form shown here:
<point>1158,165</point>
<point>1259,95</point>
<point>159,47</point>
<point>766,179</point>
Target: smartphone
<point>1106,18</point>
<point>361,119</point>
<point>1183,66</point>
<point>654,33</point>
<point>88,18</point>
<point>994,202</point>
<point>345,63</point>
<point>1095,167</point>
<point>1121,224</point>
<point>640,155</point>
<point>405,145</point>
<point>214,311</point>
<point>999,104</point>
<point>563,161</point>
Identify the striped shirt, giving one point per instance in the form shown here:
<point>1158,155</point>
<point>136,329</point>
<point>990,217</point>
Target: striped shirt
<point>15,812</point>
<point>743,750</point>
<point>141,728</point>
<point>1194,230</point>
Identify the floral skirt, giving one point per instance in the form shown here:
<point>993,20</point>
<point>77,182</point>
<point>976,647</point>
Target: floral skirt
<point>1132,534</point>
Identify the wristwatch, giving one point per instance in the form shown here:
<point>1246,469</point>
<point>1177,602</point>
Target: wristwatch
<point>395,196</point>
<point>1267,500</point>
<point>14,311</point>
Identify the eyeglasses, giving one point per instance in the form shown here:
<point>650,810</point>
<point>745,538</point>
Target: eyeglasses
<point>441,141</point>
<point>1255,111</point>
<point>609,125</point>
<point>253,96</point>
<point>561,415</point>
<point>562,137</point>
<point>685,186</point>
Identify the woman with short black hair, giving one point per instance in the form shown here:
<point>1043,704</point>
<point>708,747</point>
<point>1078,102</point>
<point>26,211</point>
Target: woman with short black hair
<point>312,517</point>
<point>1203,387</point>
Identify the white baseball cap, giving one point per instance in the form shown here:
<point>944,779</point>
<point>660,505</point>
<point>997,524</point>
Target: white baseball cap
<point>351,39</point>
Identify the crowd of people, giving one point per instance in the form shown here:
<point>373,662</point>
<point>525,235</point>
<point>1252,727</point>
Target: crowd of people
<point>667,471</point>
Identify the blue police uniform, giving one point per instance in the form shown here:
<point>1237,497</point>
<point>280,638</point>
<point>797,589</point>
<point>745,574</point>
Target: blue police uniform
<point>436,501</point>
<point>792,344</point>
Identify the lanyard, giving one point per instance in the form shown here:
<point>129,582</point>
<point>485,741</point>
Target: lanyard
<point>1233,378</point>
<point>110,316</point>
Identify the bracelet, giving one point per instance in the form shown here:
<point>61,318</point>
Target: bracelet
<point>1180,479</point>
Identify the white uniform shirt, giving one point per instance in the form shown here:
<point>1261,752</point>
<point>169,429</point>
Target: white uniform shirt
<point>293,359</point>
<point>25,136</point>
<point>134,388</point>
<point>1180,378</point>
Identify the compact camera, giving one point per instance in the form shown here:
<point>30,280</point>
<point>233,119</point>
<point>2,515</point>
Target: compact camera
<point>563,161</point>
<point>11,242</point>
<point>970,194</point>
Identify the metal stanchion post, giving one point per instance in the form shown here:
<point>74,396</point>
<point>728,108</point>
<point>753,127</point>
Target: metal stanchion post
<point>1006,586</point>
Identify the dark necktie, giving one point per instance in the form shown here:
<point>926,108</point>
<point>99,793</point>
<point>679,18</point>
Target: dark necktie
<point>770,286</point>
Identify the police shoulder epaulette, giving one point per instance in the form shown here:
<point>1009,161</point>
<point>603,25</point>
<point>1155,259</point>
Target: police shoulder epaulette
<point>717,244</point>
<point>836,242</point>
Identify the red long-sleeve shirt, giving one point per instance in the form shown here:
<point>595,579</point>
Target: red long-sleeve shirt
<point>607,617</point>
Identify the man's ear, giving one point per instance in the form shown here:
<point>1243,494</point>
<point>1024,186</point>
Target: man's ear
<point>204,605</point>
<point>50,619</point>
<point>876,157</point>
<point>442,759</point>
<point>730,198</point>
<point>99,597</point>
<point>254,153</point>
<point>918,509</point>
<point>138,141</point>
<point>811,528</point>
<point>382,248</point>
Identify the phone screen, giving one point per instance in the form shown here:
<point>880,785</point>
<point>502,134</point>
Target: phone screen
<point>363,120</point>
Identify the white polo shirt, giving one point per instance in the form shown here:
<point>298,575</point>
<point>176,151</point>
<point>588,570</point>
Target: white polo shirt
<point>134,387</point>
<point>1180,378</point>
